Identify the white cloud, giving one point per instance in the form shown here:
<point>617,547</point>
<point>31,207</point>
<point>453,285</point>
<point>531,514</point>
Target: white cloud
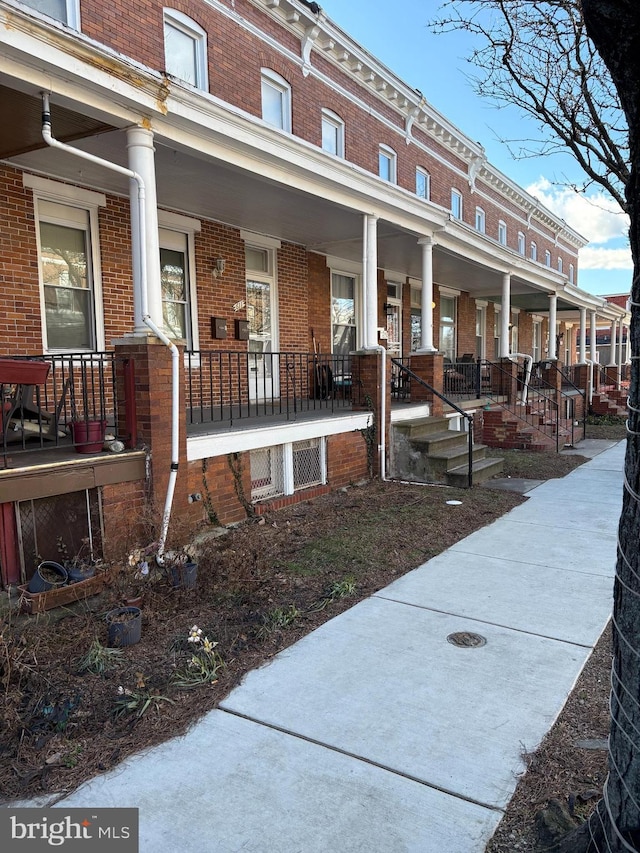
<point>596,216</point>
<point>605,259</point>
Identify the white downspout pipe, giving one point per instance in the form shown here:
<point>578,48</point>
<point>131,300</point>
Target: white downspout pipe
<point>370,269</point>
<point>48,137</point>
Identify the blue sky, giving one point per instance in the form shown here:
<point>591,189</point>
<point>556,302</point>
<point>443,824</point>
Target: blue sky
<point>398,34</point>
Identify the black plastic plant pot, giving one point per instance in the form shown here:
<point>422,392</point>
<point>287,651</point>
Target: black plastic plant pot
<point>124,625</point>
<point>184,576</point>
<point>80,573</point>
<point>48,575</point>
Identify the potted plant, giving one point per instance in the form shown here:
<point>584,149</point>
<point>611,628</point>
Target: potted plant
<point>124,626</point>
<point>87,430</point>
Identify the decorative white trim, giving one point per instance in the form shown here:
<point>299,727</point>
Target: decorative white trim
<point>178,222</point>
<point>448,291</point>
<point>222,443</point>
<point>341,265</point>
<point>63,193</point>
<point>261,241</point>
<point>481,303</point>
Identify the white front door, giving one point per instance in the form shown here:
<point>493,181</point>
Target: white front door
<point>263,368</point>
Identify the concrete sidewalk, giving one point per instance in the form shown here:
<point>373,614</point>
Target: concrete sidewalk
<point>376,734</point>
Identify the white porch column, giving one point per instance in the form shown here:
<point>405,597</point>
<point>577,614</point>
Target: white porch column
<point>582,351</point>
<point>553,322</point>
<point>141,160</point>
<point>593,349</point>
<point>505,315</point>
<point>426,329</point>
<point>614,343</point>
<point>370,267</point>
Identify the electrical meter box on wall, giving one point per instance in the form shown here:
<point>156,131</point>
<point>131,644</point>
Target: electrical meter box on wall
<point>218,328</point>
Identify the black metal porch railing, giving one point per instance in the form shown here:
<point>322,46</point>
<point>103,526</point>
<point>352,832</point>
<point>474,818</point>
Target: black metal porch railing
<point>225,386</point>
<point>408,374</point>
<point>40,413</point>
<point>469,380</point>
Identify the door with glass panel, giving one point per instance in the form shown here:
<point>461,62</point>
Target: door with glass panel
<point>394,320</point>
<point>261,315</point>
<point>448,327</point>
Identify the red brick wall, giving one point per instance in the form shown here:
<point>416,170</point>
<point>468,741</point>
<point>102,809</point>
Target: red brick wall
<point>346,459</point>
<point>214,480</point>
<point>124,512</point>
<point>235,58</point>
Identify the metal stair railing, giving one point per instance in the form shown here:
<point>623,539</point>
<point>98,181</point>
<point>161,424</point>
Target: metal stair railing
<point>566,380</point>
<point>529,412</point>
<point>402,370</point>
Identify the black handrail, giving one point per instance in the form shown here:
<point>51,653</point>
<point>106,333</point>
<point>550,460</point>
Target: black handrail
<point>567,380</point>
<point>402,368</point>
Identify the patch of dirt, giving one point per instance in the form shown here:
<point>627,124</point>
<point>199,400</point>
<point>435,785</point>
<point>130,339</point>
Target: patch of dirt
<point>536,466</point>
<point>611,428</point>
<point>261,587</point>
<point>563,768</point>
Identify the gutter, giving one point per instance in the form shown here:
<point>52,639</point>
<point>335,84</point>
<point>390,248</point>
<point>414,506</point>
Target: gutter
<point>48,137</point>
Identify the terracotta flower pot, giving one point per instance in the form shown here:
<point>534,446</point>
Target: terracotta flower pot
<point>88,436</point>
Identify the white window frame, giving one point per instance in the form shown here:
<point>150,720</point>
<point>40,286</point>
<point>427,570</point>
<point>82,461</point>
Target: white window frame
<point>571,274</point>
<point>386,153</point>
<point>333,121</point>
<point>72,8</point>
<point>456,203</point>
<point>89,202</point>
<point>185,228</point>
<point>182,23</point>
<point>422,176</point>
<point>350,271</point>
<point>536,339</point>
<point>534,250</point>
<point>481,326</point>
<point>547,258</point>
<point>502,233</point>
<point>481,220</point>
<point>276,83</point>
<point>521,243</point>
<point>560,270</point>
<point>448,293</point>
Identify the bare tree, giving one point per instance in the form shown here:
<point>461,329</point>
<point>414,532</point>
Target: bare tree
<point>538,57</point>
<point>574,65</point>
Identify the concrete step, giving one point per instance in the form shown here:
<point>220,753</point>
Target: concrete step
<point>423,426</point>
<point>437,442</point>
<point>450,458</point>
<point>482,470</point>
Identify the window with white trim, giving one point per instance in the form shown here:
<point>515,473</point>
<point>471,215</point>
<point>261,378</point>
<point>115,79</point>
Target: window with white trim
<point>502,233</point>
<point>65,11</point>
<point>343,313</point>
<point>387,164</point>
<point>456,203</point>
<point>69,266</point>
<point>571,274</point>
<point>276,100</point>
<point>560,265</point>
<point>547,258</point>
<point>448,309</point>
<point>185,49</point>
<point>332,133</point>
<point>480,220</point>
<point>521,243</point>
<point>423,183</point>
<point>534,251</point>
<point>481,331</point>
<point>497,328</point>
<point>514,331</point>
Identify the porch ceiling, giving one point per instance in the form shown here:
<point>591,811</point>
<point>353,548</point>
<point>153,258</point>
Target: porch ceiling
<point>197,184</point>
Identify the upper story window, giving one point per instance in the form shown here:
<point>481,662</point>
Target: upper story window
<point>423,183</point>
<point>332,133</point>
<point>502,233</point>
<point>521,243</point>
<point>276,100</point>
<point>480,220</point>
<point>456,203</point>
<point>547,258</point>
<point>65,11</point>
<point>571,274</point>
<point>387,164</point>
<point>534,251</point>
<point>185,49</point>
<point>559,264</point>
